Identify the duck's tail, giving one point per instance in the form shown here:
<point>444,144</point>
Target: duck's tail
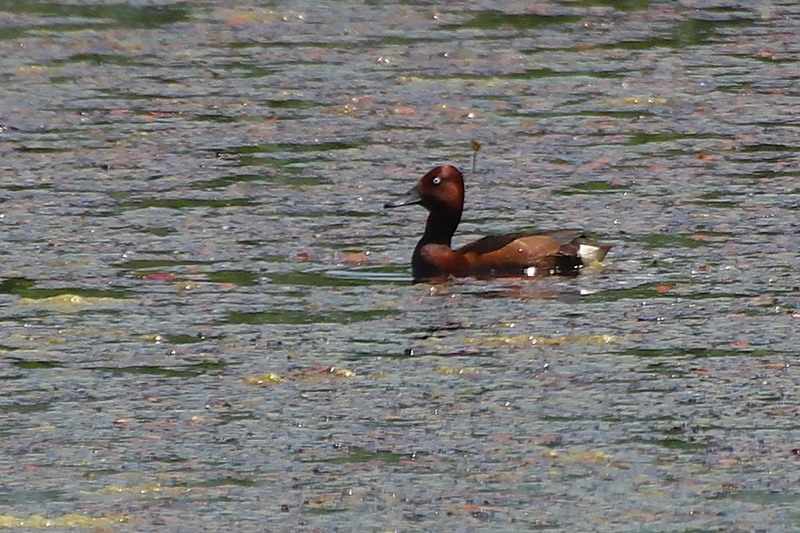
<point>591,251</point>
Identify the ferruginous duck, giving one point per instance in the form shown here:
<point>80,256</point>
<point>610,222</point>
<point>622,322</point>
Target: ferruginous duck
<point>441,192</point>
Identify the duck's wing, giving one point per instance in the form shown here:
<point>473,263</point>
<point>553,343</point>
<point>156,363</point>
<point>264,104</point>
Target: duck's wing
<point>575,242</point>
<point>550,252</point>
<point>535,243</point>
<point>563,236</point>
<point>493,243</point>
<point>514,255</point>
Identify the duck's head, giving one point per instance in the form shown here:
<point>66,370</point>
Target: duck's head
<point>441,190</point>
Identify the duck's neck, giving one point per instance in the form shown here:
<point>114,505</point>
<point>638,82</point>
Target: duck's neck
<point>440,227</point>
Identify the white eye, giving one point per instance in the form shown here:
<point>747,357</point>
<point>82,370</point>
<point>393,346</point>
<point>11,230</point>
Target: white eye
<point>437,180</point>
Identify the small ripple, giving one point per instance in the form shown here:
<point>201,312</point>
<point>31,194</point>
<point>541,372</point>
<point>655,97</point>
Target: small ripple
<point>370,276</point>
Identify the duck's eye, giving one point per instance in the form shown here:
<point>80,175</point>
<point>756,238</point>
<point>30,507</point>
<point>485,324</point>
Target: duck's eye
<point>436,180</point>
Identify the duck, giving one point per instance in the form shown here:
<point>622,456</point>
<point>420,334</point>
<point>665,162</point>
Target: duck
<point>441,192</point>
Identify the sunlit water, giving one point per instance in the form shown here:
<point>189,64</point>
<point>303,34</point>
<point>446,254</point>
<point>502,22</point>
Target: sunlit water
<point>207,316</point>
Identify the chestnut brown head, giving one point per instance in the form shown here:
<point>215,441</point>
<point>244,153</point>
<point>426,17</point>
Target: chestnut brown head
<point>440,190</point>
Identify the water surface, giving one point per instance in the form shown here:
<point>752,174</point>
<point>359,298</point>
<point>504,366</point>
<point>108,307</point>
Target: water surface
<point>208,320</point>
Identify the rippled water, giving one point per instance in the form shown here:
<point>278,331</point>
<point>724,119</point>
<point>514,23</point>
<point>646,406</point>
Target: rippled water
<point>208,320</point>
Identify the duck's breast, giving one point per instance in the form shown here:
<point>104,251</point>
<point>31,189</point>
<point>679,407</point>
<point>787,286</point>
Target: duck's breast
<point>437,260</point>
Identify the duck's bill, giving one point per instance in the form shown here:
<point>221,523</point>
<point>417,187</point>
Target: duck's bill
<point>410,198</point>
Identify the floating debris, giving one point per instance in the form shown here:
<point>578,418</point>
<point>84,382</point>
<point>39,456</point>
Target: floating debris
<point>267,378</point>
<point>522,340</point>
<point>70,521</point>
<point>69,302</point>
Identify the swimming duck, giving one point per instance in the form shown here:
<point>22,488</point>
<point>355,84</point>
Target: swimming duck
<point>441,192</point>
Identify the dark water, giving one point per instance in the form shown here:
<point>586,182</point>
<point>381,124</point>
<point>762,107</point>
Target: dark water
<point>207,321</point>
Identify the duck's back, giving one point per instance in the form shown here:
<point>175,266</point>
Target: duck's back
<point>561,252</point>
